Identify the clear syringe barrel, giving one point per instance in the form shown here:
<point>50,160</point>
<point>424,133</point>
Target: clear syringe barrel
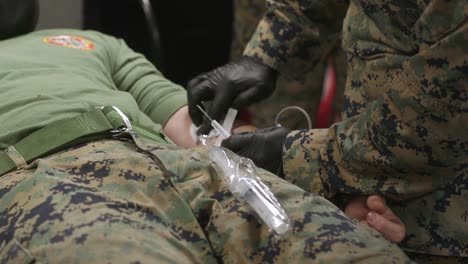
<point>240,176</point>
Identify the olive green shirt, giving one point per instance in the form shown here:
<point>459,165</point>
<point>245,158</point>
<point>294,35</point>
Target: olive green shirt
<point>51,75</point>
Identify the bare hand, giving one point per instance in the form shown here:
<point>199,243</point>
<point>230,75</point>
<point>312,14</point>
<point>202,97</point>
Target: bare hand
<point>374,212</point>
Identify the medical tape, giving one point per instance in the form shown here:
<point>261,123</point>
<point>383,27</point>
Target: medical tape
<point>227,124</point>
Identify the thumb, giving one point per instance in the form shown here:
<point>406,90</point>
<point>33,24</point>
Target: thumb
<point>384,220</point>
<point>377,203</point>
<point>236,142</point>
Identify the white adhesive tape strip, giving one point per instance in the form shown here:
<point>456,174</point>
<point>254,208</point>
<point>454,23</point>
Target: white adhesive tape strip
<point>228,123</point>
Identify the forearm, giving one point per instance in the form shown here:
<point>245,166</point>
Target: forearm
<point>177,128</point>
<point>399,147</point>
<point>407,134</point>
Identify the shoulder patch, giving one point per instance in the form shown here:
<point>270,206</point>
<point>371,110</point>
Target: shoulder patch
<point>70,42</point>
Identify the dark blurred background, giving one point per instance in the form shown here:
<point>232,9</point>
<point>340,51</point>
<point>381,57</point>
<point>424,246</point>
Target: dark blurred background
<point>182,38</point>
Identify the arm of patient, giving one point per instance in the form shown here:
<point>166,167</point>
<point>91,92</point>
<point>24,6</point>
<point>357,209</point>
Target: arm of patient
<point>177,128</point>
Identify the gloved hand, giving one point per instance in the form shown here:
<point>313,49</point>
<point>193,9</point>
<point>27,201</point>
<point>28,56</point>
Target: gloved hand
<point>264,147</point>
<point>236,84</point>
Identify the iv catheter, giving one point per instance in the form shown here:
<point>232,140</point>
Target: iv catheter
<point>222,132</point>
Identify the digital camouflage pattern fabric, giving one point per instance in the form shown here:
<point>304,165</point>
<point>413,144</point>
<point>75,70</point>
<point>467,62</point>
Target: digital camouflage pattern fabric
<point>111,201</point>
<point>304,89</point>
<point>404,134</point>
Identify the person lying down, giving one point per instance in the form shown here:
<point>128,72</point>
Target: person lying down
<point>77,185</point>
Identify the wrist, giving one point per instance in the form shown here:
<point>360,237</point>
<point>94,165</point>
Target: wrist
<point>301,159</point>
<point>259,63</point>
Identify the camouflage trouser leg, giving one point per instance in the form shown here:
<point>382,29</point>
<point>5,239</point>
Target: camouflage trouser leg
<point>109,202</point>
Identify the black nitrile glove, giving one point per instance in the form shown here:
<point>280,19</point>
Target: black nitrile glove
<point>264,147</point>
<point>237,84</point>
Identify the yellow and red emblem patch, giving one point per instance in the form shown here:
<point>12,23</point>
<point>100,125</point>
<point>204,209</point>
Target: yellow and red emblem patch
<point>70,42</point>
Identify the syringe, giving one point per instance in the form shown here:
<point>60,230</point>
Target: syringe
<point>219,128</point>
<point>243,182</point>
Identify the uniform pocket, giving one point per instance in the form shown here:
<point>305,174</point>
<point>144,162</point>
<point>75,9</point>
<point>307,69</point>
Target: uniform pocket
<point>440,18</point>
<point>13,252</point>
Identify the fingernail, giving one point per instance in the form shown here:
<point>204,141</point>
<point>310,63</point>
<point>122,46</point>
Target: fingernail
<point>371,217</point>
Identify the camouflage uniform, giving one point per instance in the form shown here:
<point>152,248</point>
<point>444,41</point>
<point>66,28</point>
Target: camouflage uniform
<point>405,134</point>
<point>303,89</point>
<point>109,201</point>
<point>118,202</point>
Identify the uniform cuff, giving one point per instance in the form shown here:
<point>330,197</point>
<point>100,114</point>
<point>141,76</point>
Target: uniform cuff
<point>301,159</point>
<point>168,107</point>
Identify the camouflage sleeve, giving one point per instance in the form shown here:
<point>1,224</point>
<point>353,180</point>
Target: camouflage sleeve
<point>293,35</point>
<point>409,141</point>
